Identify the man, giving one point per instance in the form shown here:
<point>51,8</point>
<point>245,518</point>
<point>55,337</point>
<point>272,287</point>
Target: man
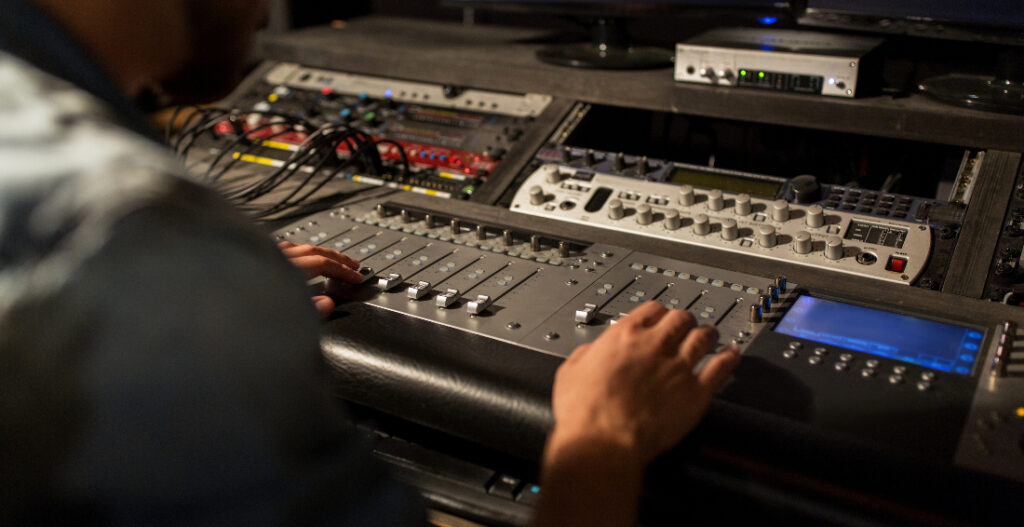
<point>159,362</point>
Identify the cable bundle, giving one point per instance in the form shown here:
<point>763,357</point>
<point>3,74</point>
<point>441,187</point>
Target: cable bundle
<point>313,163</point>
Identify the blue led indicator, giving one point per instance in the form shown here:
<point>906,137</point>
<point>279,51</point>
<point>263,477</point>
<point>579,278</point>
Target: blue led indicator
<point>363,96</point>
<point>963,370</point>
<point>535,489</point>
<point>388,93</point>
<point>831,81</point>
<point>967,358</point>
<point>974,335</point>
<point>345,112</point>
<point>970,346</point>
<point>768,20</point>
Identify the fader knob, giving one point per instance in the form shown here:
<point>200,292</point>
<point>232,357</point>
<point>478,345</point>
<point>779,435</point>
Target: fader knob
<point>766,236</point>
<point>834,248</point>
<point>619,162</point>
<point>701,224</point>
<point>672,221</point>
<point>536,195</point>
<point>715,201</point>
<point>802,242</point>
<point>780,210</point>
<point>815,216</point>
<point>742,204</point>
<point>644,216</point>
<point>686,196</point>
<point>507,237</point>
<point>588,157</point>
<point>615,210</point>
<point>729,230</point>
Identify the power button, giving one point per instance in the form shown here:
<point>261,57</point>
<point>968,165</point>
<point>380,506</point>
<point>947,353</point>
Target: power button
<point>896,264</point>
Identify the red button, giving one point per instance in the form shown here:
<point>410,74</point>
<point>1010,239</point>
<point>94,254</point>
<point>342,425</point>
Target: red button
<point>896,264</point>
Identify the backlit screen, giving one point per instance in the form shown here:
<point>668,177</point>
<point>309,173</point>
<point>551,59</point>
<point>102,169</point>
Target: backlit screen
<point>937,345</point>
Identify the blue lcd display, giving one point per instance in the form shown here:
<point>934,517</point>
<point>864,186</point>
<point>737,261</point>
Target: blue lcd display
<point>944,347</point>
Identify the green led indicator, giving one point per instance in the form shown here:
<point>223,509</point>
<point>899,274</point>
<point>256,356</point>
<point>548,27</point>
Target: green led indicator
<point>760,74</point>
<point>743,73</point>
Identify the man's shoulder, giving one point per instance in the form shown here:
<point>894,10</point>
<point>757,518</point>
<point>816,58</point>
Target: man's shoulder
<point>70,174</point>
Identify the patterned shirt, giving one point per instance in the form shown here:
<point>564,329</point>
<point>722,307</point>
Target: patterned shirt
<point>159,358</point>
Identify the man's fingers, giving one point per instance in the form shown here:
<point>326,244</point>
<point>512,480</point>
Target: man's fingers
<point>674,326</point>
<point>296,251</point>
<point>317,265</point>
<point>718,369</point>
<point>698,343</point>
<point>324,305</point>
<point>285,244</point>
<point>647,315</point>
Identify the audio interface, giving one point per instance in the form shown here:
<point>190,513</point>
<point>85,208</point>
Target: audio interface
<point>779,60</point>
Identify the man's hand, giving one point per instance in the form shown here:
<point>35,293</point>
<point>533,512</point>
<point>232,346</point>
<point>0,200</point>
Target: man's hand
<point>320,261</point>
<point>635,384</point>
<point>619,402</point>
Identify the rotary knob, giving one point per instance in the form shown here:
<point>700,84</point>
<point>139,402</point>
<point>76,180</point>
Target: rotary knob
<point>589,158</point>
<point>756,316</point>
<point>536,195</point>
<point>834,248</point>
<point>805,188</point>
<point>551,174</point>
<point>742,204</point>
<point>729,230</point>
<point>780,210</point>
<point>644,215</point>
<point>802,242</point>
<point>715,201</point>
<point>615,210</point>
<point>701,224</point>
<point>815,216</point>
<point>766,236</point>
<point>672,219</point>
<point>686,196</point>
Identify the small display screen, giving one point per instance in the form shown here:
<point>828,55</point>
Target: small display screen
<point>755,187</point>
<point>936,345</point>
<point>772,80</point>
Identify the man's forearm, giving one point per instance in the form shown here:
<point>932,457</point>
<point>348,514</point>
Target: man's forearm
<point>590,482</point>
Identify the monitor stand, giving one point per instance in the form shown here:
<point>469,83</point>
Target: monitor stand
<point>609,49</point>
<point>1003,93</point>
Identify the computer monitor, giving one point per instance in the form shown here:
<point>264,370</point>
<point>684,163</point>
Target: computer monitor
<point>610,47</point>
<point>997,22</point>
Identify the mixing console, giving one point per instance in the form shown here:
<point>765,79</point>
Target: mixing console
<point>810,357</point>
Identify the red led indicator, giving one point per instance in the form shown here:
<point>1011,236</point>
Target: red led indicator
<point>327,90</point>
<point>896,264</point>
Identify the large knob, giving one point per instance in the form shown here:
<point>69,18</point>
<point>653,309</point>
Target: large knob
<point>644,215</point>
<point>615,210</point>
<point>766,236</point>
<point>715,201</point>
<point>805,188</point>
<point>701,224</point>
<point>780,210</point>
<point>834,248</point>
<point>802,242</point>
<point>729,229</point>
<point>686,197</point>
<point>742,204</point>
<point>551,174</point>
<point>536,195</point>
<point>672,219</point>
<point>815,216</point>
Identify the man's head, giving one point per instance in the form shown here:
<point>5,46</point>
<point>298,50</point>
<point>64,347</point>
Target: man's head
<point>191,50</point>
